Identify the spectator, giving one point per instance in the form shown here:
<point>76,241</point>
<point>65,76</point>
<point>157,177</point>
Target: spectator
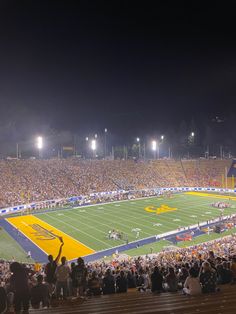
<point>131,279</point>
<point>233,268</point>
<point>50,269</point>
<point>192,284</point>
<point>121,282</point>
<point>225,275</point>
<point>40,294</point>
<point>3,300</point>
<point>171,280</point>
<point>108,283</point>
<point>79,276</point>
<point>62,275</point>
<point>157,280</point>
<point>207,278</point>
<point>94,287</point>
<point>19,286</point>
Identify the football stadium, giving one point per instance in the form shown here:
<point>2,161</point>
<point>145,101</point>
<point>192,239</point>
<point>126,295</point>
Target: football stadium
<point>117,157</point>
<point>140,213</point>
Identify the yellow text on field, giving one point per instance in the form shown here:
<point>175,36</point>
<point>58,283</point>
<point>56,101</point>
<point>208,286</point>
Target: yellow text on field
<point>47,237</point>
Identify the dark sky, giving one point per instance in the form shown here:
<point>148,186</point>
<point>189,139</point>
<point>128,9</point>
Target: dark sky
<point>129,66</point>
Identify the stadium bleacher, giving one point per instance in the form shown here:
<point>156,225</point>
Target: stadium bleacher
<point>168,303</point>
<point>37,180</point>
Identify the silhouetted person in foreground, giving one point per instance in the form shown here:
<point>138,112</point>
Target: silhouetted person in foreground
<point>19,286</point>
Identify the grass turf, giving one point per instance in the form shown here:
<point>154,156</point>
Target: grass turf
<point>91,224</point>
<point>10,249</point>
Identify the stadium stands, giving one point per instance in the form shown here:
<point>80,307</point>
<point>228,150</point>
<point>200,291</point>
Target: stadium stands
<point>169,303</point>
<point>220,254</point>
<point>37,180</point>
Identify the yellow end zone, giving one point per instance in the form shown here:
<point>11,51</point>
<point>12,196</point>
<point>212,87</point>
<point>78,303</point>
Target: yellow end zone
<point>46,237</point>
<point>233,198</point>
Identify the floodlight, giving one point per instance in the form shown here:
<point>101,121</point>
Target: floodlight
<point>93,145</point>
<point>154,145</point>
<point>39,142</point>
<point>192,134</point>
<point>162,137</point>
<point>105,130</point>
<point>86,139</point>
<point>138,139</point>
<point>95,135</point>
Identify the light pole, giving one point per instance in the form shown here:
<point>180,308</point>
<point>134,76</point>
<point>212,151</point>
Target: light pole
<point>39,145</point>
<point>139,152</point>
<point>93,147</point>
<point>154,148</point>
<point>86,147</point>
<point>105,143</point>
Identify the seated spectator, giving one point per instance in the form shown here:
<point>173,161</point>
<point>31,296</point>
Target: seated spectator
<point>233,268</point>
<point>143,280</point>
<point>192,284</point>
<point>131,279</point>
<point>108,283</point>
<point>171,280</point>
<point>157,280</point>
<point>183,274</point>
<point>94,287</point>
<point>39,294</point>
<point>225,275</point>
<point>121,283</point>
<point>208,278</point>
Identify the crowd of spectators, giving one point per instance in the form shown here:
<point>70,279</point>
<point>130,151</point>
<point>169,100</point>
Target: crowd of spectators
<point>192,271</point>
<point>28,181</point>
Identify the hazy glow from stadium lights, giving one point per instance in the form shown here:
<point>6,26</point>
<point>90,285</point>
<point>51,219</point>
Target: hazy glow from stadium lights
<point>93,145</point>
<point>86,139</point>
<point>154,145</point>
<point>138,139</point>
<point>105,130</point>
<point>95,135</point>
<point>39,142</point>
<point>192,134</point>
<point>162,137</point>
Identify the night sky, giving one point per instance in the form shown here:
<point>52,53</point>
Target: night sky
<point>132,67</point>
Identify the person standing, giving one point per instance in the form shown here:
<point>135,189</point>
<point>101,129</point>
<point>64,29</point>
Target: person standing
<point>62,274</point>
<point>19,286</point>
<point>79,276</point>
<point>51,268</point>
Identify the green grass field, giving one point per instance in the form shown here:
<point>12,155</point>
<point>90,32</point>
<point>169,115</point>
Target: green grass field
<point>10,249</point>
<point>90,224</point>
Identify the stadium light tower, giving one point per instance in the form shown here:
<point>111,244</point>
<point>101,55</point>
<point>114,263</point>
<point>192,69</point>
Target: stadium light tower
<point>192,134</point>
<point>154,148</point>
<point>162,137</point>
<point>139,147</point>
<point>39,145</point>
<point>93,147</point>
<point>105,143</point>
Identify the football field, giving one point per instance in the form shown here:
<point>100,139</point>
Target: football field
<point>85,229</point>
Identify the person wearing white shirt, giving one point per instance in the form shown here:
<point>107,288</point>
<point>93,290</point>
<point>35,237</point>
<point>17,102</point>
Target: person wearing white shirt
<point>62,275</point>
<point>192,284</point>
